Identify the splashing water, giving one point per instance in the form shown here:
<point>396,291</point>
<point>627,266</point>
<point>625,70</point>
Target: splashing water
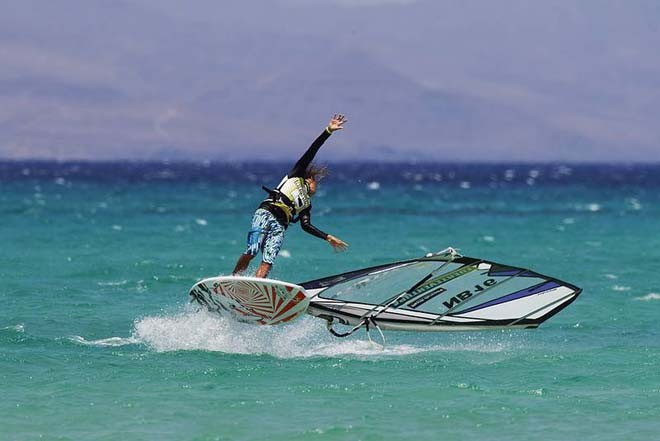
<point>201,330</point>
<point>306,337</point>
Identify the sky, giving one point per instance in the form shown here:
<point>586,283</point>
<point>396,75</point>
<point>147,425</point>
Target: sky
<point>476,80</point>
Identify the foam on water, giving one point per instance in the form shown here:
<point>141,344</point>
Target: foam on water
<point>201,330</point>
<point>649,297</point>
<point>111,341</point>
<point>19,328</point>
<point>306,337</point>
<point>112,283</point>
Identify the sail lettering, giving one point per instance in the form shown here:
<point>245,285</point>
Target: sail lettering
<point>463,296</point>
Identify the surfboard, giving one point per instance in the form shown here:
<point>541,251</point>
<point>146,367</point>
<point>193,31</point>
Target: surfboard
<point>251,299</point>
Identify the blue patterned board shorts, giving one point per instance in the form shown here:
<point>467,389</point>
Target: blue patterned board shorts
<point>266,235</point>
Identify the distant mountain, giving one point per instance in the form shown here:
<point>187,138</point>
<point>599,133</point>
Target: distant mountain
<point>422,80</point>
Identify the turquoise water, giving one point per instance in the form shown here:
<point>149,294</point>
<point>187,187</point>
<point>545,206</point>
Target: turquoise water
<point>98,341</point>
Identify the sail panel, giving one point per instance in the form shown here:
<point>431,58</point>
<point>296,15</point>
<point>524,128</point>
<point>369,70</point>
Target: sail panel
<point>439,293</point>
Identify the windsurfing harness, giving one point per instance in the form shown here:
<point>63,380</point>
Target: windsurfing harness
<point>291,200</point>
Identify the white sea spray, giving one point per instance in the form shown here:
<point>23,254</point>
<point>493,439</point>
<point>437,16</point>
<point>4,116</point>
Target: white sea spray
<point>649,297</point>
<point>306,337</point>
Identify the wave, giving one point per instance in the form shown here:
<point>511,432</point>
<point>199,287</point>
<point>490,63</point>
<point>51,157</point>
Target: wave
<point>19,328</point>
<point>113,283</point>
<point>111,341</point>
<point>649,297</point>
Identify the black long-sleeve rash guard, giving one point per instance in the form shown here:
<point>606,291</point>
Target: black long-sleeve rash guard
<point>306,224</point>
<point>298,171</point>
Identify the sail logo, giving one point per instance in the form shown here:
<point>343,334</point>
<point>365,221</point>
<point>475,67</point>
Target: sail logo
<point>464,295</point>
<point>430,289</point>
<point>426,297</point>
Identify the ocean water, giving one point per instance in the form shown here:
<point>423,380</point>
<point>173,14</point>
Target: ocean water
<point>98,340</point>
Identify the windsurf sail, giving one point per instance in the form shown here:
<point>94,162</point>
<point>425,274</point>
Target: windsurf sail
<point>443,291</point>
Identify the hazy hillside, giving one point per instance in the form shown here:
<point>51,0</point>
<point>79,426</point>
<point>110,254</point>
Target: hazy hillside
<point>474,80</point>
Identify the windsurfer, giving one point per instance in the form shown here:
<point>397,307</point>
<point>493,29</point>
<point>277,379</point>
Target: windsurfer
<point>288,203</point>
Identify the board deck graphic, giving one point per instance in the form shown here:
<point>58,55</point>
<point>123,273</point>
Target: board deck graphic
<point>251,299</point>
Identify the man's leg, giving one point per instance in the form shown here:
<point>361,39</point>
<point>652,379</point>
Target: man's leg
<point>254,239</point>
<point>242,264</point>
<point>271,246</point>
<point>263,270</point>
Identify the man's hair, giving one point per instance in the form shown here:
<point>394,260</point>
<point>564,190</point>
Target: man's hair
<point>316,172</point>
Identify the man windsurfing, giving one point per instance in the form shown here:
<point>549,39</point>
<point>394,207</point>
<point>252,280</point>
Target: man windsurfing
<point>289,202</point>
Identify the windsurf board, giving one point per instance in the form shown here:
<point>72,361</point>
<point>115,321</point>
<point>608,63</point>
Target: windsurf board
<point>251,299</point>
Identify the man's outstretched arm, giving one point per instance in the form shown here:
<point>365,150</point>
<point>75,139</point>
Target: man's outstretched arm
<point>298,170</point>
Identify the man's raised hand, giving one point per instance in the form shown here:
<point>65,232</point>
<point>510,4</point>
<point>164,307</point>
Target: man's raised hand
<point>337,122</point>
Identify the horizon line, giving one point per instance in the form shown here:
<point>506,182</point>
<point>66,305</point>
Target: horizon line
<point>333,162</point>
